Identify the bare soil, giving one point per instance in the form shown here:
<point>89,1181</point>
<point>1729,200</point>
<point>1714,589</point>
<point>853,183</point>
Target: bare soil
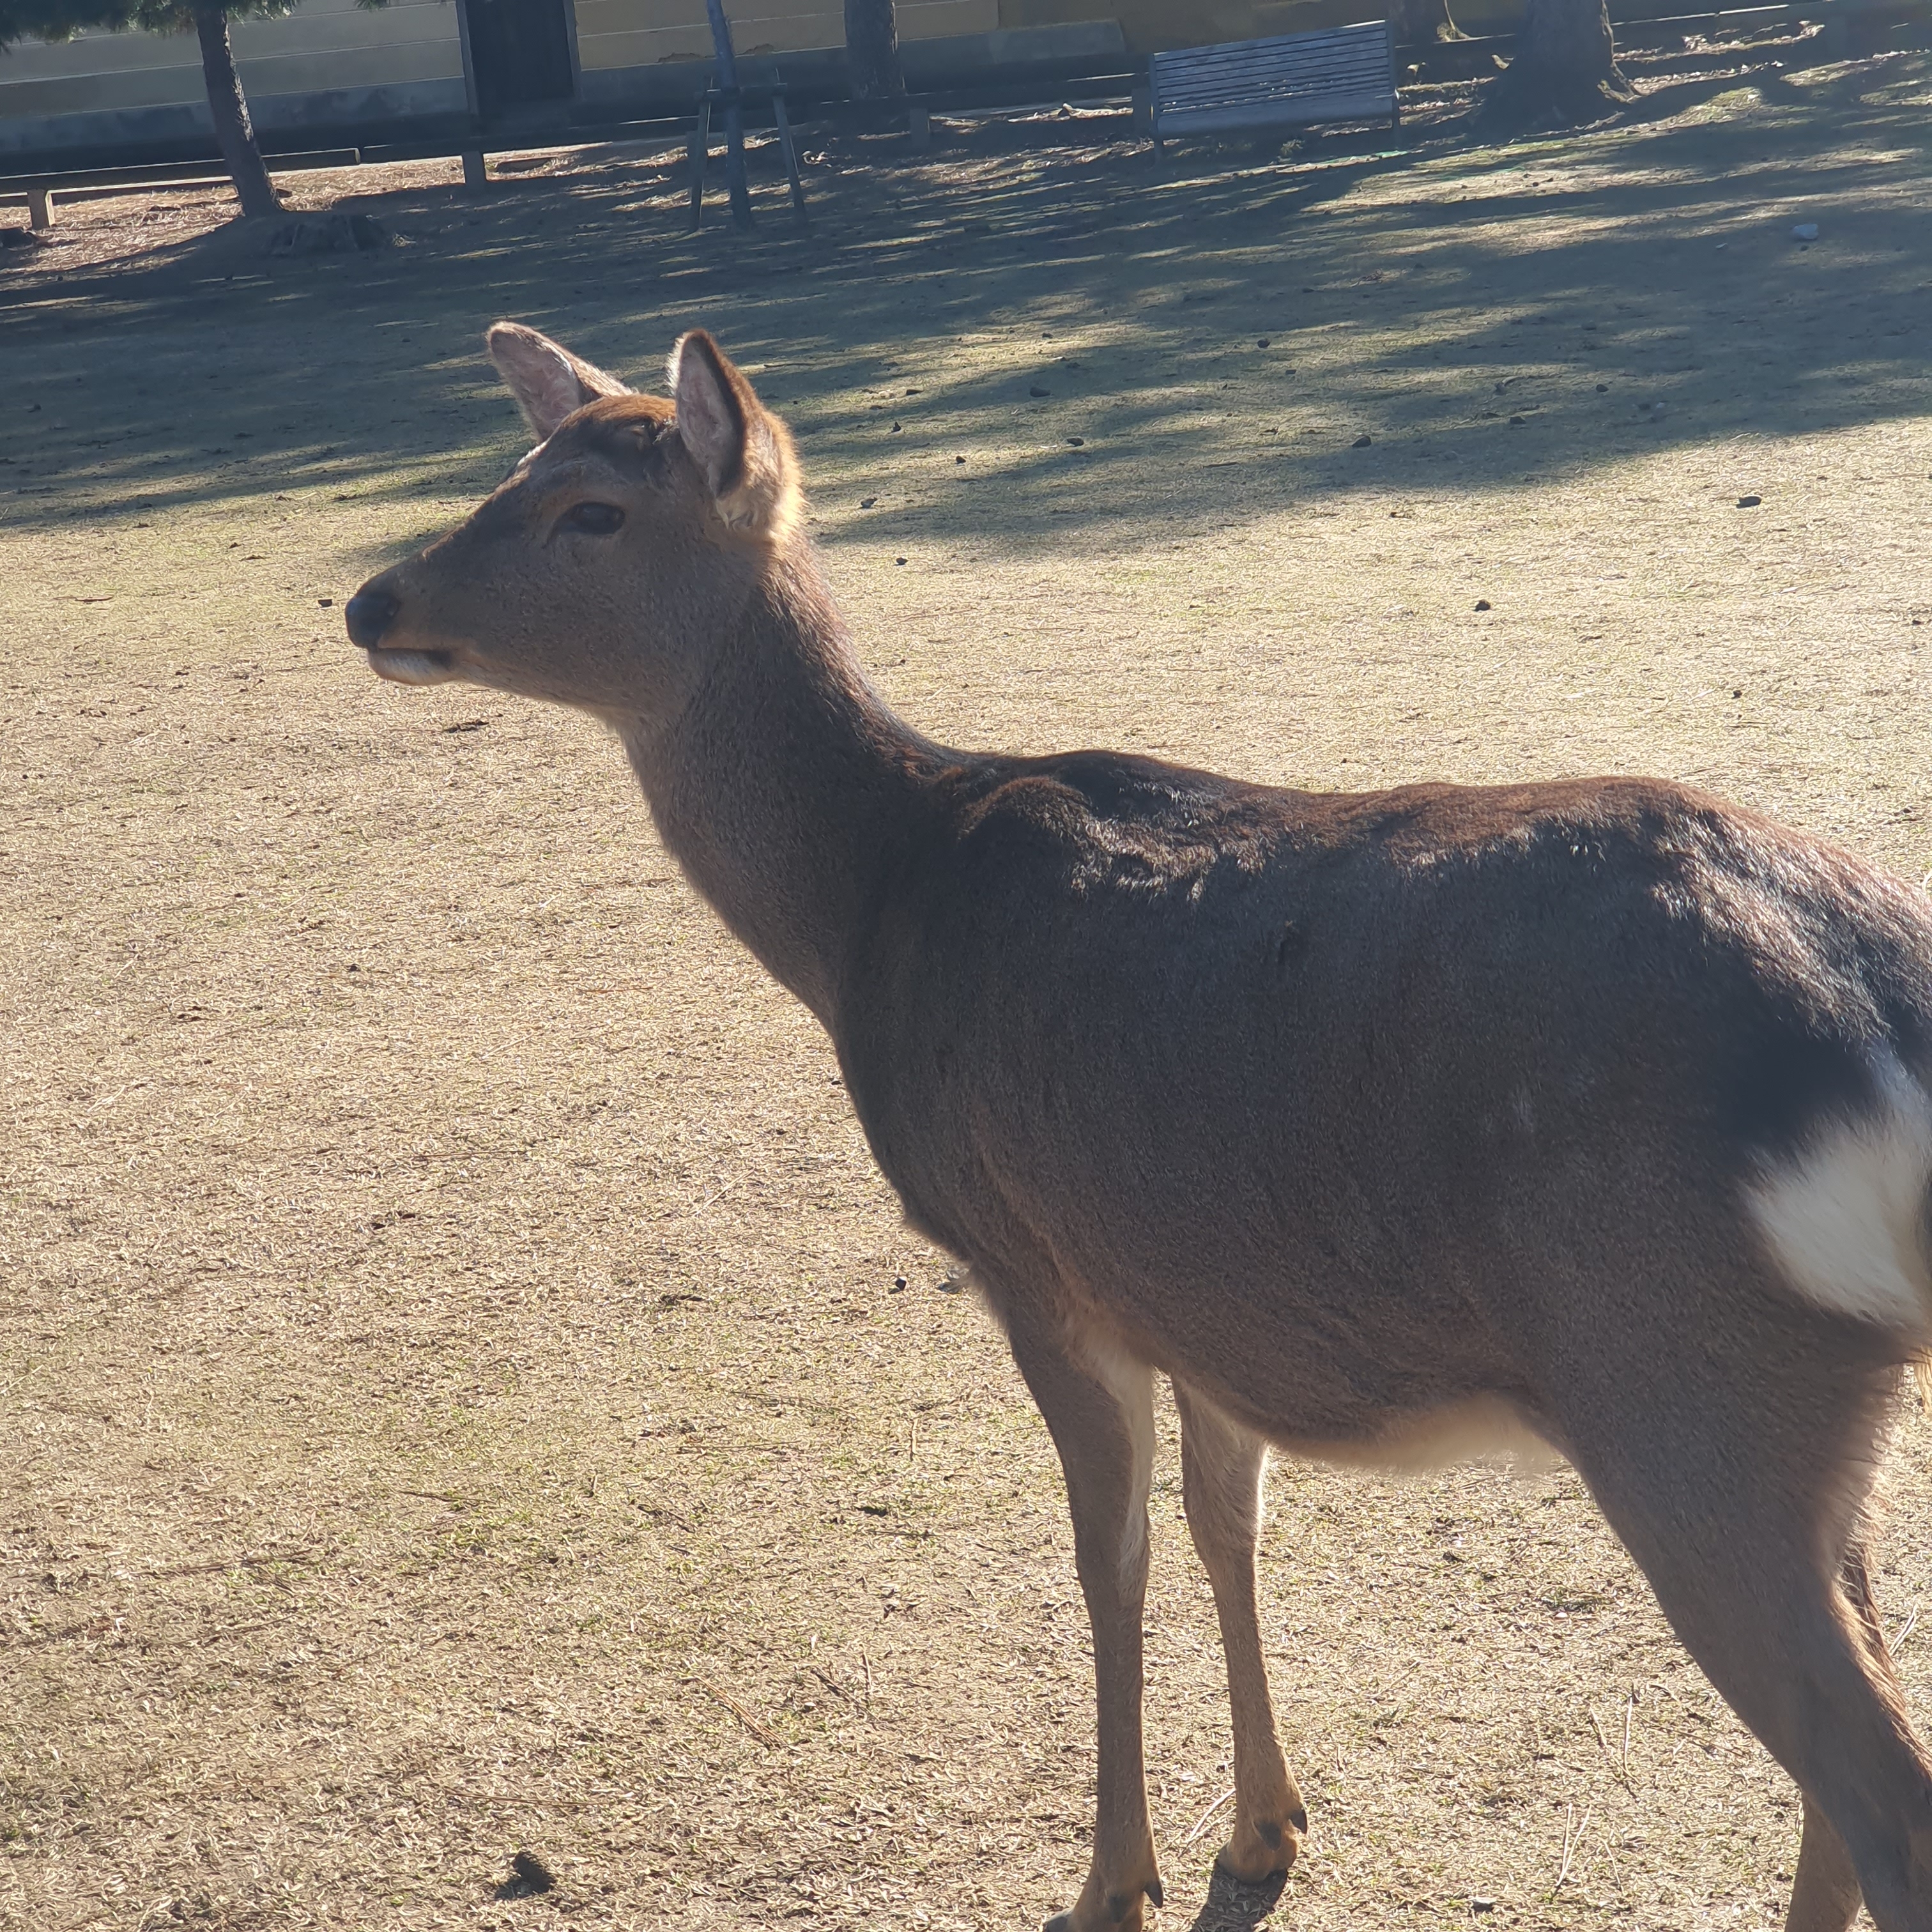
<point>460,1395</point>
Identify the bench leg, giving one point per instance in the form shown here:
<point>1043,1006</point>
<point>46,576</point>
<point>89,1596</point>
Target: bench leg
<point>40,207</point>
<point>919,122</point>
<point>789,149</point>
<point>1143,110</point>
<point>700,159</point>
<point>475,173</point>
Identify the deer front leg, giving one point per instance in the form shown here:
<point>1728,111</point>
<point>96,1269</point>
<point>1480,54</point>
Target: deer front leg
<point>1221,1465</point>
<point>1099,1407</point>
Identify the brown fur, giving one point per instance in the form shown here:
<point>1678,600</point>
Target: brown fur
<point>1366,1120</point>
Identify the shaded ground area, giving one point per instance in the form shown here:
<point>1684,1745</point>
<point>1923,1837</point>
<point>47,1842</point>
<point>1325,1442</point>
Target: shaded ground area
<point>462,1400</point>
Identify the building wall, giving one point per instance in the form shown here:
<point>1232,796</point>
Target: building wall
<point>335,67</point>
<point>643,33</point>
<point>325,45</point>
<point>1151,25</point>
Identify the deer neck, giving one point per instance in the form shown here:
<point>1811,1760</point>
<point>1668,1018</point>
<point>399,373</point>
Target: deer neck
<point>784,783</point>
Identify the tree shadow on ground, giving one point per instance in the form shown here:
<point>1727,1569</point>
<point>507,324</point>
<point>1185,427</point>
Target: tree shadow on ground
<point>1033,348</point>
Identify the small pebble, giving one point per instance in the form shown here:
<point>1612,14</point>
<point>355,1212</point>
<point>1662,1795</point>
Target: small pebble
<point>1361,443</point>
<point>1078,442</point>
<point>866,502</point>
<point>1749,503</point>
<point>1037,390</point>
<point>1603,389</point>
<point>1262,342</point>
<point>898,1284</point>
<point>895,429</point>
<point>1482,603</point>
<point>1805,231</point>
<point>959,459</point>
<point>324,601</point>
<point>899,559</point>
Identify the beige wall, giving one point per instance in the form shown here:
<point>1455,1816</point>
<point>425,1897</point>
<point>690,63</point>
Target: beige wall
<point>1150,25</point>
<point>641,33</point>
<point>335,44</point>
<point>324,43</point>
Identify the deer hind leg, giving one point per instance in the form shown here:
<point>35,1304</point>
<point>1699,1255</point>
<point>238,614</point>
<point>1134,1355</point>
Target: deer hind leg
<point>1221,1478</point>
<point>1741,1505</point>
<point>1099,1407</point>
<point>1825,1897</point>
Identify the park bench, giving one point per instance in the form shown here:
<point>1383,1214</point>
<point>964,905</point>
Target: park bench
<point>1289,80</point>
<point>38,190</point>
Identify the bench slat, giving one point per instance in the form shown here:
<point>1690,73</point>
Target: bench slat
<point>1265,52</point>
<point>1209,77</point>
<point>1285,114</point>
<point>1372,33</point>
<point>1375,75</point>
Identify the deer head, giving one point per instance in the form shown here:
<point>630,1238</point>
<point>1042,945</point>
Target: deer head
<point>597,573</point>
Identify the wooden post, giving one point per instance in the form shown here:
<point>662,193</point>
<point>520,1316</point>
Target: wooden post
<point>474,174</point>
<point>734,113</point>
<point>700,159</point>
<point>40,207</point>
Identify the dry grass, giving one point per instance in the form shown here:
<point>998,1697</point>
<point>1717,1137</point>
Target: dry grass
<point>459,1399</point>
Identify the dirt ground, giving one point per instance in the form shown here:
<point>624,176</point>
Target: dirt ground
<point>461,1396</point>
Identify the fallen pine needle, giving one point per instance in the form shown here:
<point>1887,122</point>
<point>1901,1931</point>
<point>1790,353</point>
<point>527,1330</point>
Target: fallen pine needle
<point>1202,1822</point>
<point>831,1683</point>
<point>744,1717</point>
<point>1570,1844</point>
<point>1911,1624</point>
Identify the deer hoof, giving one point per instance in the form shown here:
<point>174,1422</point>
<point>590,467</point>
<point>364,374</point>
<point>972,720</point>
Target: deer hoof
<point>1105,1911</point>
<point>1257,1852</point>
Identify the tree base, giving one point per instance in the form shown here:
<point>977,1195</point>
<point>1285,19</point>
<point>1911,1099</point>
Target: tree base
<point>1526,94</point>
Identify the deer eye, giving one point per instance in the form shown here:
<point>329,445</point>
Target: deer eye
<point>595,520</point>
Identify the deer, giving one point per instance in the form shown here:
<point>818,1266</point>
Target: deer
<point>1593,1116</point>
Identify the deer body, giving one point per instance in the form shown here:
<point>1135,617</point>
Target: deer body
<point>1592,1114</point>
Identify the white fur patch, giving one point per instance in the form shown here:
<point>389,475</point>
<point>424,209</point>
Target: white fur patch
<point>1846,1217</point>
<point>1485,1429</point>
<point>409,667</point>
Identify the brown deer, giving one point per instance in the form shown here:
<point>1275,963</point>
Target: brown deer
<point>1387,1126</point>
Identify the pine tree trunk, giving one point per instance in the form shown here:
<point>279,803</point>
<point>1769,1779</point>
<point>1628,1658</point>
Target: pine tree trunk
<point>872,51</point>
<point>233,131</point>
<point>1565,67</point>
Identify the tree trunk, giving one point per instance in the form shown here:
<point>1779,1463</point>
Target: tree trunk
<point>872,52</point>
<point>726,56</point>
<point>233,128</point>
<point>1565,68</point>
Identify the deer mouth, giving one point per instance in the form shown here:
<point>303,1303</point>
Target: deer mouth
<point>412,667</point>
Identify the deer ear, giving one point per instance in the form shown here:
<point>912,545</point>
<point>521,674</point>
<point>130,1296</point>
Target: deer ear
<point>548,382</point>
<point>742,452</point>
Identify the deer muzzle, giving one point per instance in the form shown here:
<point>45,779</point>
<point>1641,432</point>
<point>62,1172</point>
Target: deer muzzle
<point>371,616</point>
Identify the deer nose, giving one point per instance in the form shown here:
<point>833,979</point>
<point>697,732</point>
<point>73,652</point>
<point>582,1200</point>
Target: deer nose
<point>369,613</point>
